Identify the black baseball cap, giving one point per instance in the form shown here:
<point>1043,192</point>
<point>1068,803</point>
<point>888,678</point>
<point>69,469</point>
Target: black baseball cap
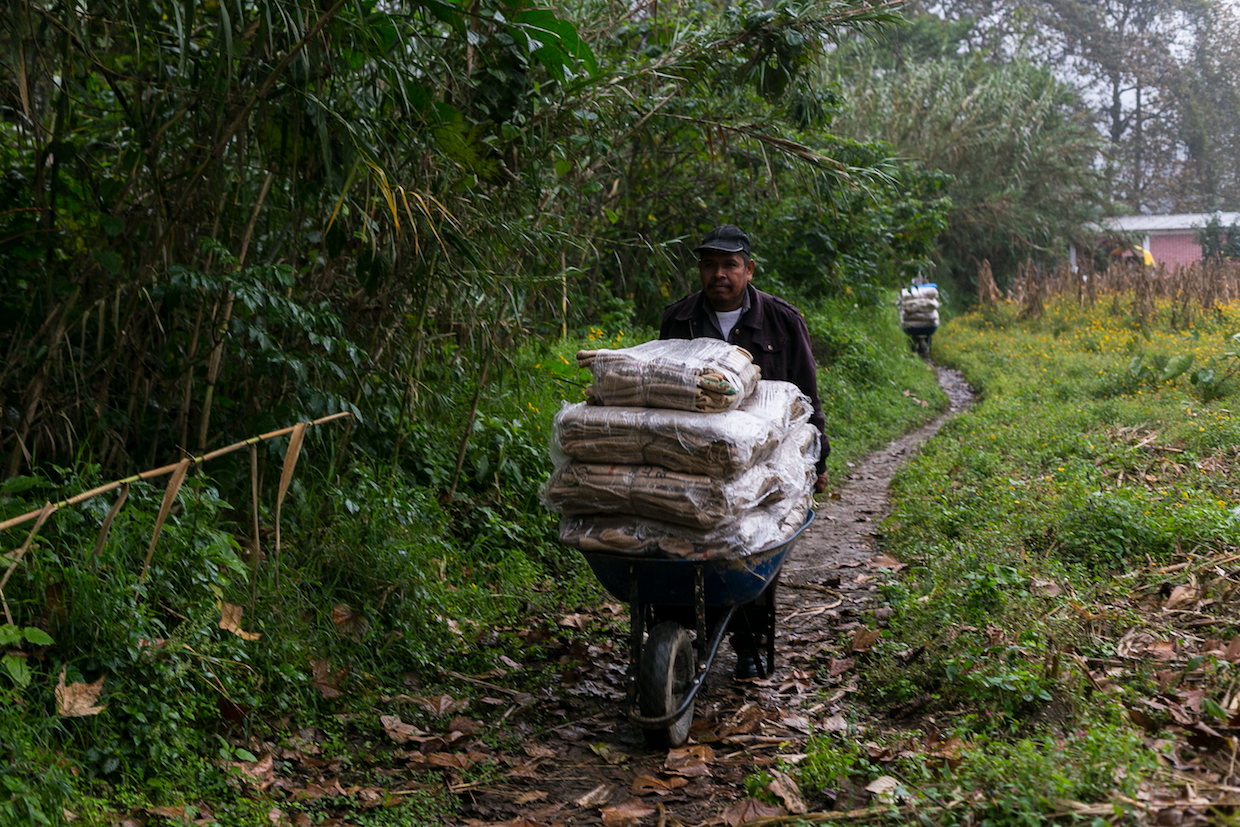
<point>727,238</point>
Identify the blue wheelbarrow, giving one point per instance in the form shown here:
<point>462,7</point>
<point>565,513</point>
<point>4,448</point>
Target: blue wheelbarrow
<point>672,597</point>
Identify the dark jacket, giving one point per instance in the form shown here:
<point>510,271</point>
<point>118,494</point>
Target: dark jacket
<point>771,329</point>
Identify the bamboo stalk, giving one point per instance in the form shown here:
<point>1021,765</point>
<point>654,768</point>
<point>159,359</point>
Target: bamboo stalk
<point>170,495</point>
<point>286,476</point>
<point>256,544</point>
<point>43,513</point>
<point>107,521</point>
<point>166,469</point>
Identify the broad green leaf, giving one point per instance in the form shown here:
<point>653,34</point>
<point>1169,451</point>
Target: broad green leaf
<point>16,485</point>
<point>10,635</point>
<point>112,225</point>
<point>1177,366</point>
<point>17,669</point>
<point>37,636</point>
<point>108,260</point>
<point>1213,709</point>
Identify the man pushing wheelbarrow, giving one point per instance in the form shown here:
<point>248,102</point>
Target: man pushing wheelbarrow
<point>687,475</point>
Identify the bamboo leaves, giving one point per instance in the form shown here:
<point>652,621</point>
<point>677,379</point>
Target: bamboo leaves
<point>170,495</point>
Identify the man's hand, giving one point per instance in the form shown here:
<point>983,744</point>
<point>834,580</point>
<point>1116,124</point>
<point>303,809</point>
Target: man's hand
<point>821,483</point>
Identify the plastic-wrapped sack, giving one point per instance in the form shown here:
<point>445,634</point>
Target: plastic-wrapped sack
<point>918,306</point>
<point>716,444</point>
<point>706,375</point>
<point>751,531</point>
<point>691,500</point>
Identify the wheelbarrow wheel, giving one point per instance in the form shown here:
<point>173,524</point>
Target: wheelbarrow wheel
<point>666,671</point>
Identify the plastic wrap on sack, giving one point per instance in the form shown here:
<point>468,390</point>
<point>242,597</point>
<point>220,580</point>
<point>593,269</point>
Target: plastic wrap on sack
<point>639,537</point>
<point>712,444</point>
<point>779,402</point>
<point>706,375</point>
<point>734,537</point>
<point>918,306</point>
<point>688,500</point>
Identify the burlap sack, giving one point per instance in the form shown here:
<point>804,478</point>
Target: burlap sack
<point>707,375</point>
<point>717,444</point>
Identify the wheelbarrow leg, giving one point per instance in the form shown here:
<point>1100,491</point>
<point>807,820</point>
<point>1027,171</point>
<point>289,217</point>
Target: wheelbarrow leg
<point>754,631</point>
<point>769,629</point>
<point>637,629</point>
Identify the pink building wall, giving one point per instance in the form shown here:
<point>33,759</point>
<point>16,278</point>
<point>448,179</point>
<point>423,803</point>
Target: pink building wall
<point>1174,248</point>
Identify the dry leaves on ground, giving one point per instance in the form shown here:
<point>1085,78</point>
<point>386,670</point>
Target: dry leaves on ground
<point>77,700</point>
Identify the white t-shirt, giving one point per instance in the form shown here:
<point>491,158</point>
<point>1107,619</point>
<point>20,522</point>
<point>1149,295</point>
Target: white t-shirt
<point>727,321</point>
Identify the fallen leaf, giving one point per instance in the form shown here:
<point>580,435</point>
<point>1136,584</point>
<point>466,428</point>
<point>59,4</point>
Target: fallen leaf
<point>609,753</point>
<point>574,621</point>
<point>689,761</point>
<point>596,797</point>
<point>442,704</point>
<point>838,666</point>
<point>883,788</point>
<point>645,784</point>
<point>463,725</point>
<point>885,561</point>
<point>260,774</point>
<point>176,813</point>
<point>1162,649</point>
<point>348,622</point>
<point>1047,588</point>
<point>1232,653</point>
<point>77,700</point>
<point>835,723</point>
<point>1180,594</point>
<point>742,811</point>
<point>863,639</point>
<point>628,813</point>
<point>539,751</point>
<point>326,681</point>
<point>230,621</point>
<point>453,760</point>
<point>398,730</point>
<point>530,797</point>
<point>787,791</point>
<point>796,723</point>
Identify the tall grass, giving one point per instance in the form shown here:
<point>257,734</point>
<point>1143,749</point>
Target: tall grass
<point>1039,528</point>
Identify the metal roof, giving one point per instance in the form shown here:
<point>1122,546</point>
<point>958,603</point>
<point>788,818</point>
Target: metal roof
<point>1164,223</point>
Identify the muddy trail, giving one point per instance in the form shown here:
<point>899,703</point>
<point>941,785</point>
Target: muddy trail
<point>595,768</point>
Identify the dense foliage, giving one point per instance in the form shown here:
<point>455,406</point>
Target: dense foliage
<point>1016,142</point>
<point>1062,541</point>
<point>1158,79</point>
<point>224,217</point>
<point>232,215</point>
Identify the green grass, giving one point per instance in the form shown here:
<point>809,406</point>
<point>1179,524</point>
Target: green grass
<point>379,576</point>
<point>869,380</point>
<point>1097,455</point>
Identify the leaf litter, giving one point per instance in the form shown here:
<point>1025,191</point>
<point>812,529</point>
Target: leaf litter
<point>592,767</point>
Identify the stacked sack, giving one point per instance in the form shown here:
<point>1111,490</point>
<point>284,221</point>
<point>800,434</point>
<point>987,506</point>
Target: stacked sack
<point>681,451</point>
<point>918,306</point>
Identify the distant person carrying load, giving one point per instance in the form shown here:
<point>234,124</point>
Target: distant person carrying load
<point>918,306</point>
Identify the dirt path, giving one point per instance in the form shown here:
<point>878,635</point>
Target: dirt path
<point>595,768</point>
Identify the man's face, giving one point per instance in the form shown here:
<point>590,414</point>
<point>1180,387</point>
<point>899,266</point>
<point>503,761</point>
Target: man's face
<point>724,277</point>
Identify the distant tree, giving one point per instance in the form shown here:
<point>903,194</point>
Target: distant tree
<point>1017,143</point>
<point>1219,242</point>
<point>1159,76</point>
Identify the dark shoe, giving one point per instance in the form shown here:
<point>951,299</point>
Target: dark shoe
<point>747,666</point>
